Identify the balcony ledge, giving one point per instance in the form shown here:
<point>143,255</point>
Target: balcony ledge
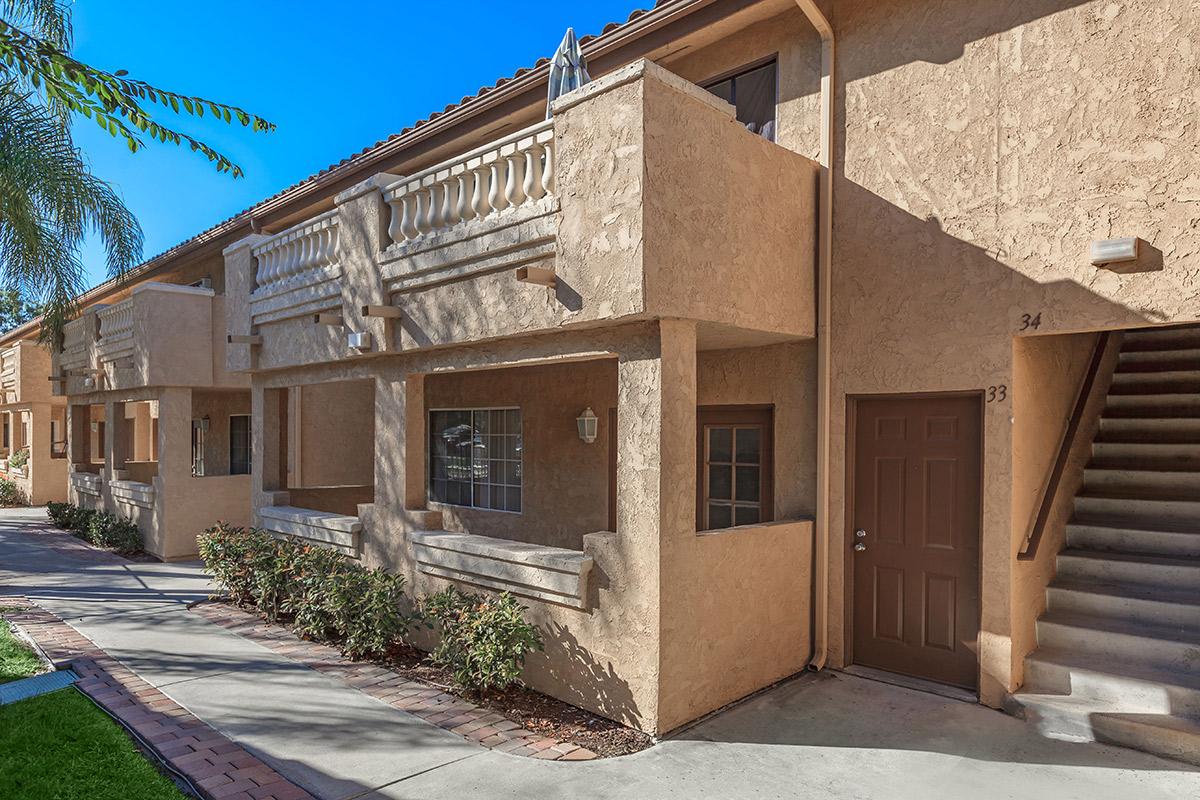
<point>540,572</point>
<point>338,531</point>
<point>134,493</point>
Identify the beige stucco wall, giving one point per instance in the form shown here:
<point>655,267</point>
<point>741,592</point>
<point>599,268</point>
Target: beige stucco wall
<point>565,482</point>
<point>982,146</point>
<point>336,429</point>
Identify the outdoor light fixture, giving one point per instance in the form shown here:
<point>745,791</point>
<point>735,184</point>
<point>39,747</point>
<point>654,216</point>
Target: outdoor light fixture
<point>587,423</point>
<point>1113,251</point>
<point>359,341</point>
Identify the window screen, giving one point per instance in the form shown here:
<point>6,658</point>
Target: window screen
<point>475,458</point>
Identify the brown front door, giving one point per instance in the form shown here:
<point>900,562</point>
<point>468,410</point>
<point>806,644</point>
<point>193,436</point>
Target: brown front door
<point>914,536</point>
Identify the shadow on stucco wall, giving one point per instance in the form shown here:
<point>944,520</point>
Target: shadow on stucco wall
<point>576,670</point>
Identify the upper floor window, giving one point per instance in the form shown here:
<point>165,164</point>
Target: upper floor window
<point>475,458</point>
<point>752,92</point>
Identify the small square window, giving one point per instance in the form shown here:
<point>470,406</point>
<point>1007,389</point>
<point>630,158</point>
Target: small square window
<point>734,479</point>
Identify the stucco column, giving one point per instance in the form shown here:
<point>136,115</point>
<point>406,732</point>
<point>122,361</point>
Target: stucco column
<point>114,427</point>
<point>268,442</point>
<point>399,442</point>
<point>79,421</point>
<point>240,268</point>
<point>413,442</point>
<point>656,431</point>
<point>363,220</point>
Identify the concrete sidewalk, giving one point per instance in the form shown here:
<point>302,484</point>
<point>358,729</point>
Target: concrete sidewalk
<point>827,736</point>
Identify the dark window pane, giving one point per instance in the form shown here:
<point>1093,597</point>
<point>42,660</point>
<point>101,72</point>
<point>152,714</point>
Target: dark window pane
<point>718,516</point>
<point>720,444</point>
<point>513,499</point>
<point>745,515</point>
<point>723,90</point>
<point>754,95</point>
<point>720,480</point>
<point>748,483</point>
<point>749,445</point>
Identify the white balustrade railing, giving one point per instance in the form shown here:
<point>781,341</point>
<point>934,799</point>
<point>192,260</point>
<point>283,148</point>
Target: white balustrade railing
<point>74,352</point>
<point>116,321</point>
<point>503,174</point>
<point>297,250</point>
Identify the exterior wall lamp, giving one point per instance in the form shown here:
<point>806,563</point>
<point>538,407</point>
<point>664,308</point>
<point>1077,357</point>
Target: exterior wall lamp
<point>587,423</point>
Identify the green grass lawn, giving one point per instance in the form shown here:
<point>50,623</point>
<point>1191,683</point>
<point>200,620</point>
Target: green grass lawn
<point>61,747</point>
<point>16,659</point>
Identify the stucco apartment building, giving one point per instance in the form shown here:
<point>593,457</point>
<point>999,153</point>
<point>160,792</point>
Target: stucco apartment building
<point>828,334</point>
<point>153,426</point>
<point>33,422</point>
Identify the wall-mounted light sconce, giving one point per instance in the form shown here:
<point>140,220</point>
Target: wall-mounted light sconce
<point>89,383</point>
<point>587,423</point>
<point>359,341</point>
<point>1114,251</point>
<point>203,423</point>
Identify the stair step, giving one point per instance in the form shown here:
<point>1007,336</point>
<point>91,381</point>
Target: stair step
<point>1120,539</point>
<point>1143,430</point>
<point>1181,574</point>
<point>1161,339</point>
<point>1159,646</point>
<point>1123,687</point>
<point>1147,484</point>
<point>1132,603</point>
<point>1185,405</point>
<point>1080,719</point>
<point>1145,456</point>
<point>1145,383</point>
<point>1158,360</point>
<point>1177,515</point>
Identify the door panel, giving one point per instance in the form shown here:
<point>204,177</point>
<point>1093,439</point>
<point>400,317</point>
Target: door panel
<point>916,490</point>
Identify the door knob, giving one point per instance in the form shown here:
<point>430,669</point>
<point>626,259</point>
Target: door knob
<point>858,548</point>
<point>860,533</point>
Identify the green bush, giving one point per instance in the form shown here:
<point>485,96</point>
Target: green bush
<point>10,494</point>
<point>19,459</point>
<point>328,596</point>
<point>71,518</point>
<point>114,533</point>
<point>60,513</point>
<point>484,641</point>
<point>228,555</point>
<point>101,529</point>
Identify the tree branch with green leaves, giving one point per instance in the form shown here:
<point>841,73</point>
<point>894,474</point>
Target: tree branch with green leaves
<point>117,103</point>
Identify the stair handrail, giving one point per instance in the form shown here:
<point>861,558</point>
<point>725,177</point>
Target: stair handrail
<point>1030,549</point>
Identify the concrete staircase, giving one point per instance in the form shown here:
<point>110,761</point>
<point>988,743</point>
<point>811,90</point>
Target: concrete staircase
<point>1118,656</point>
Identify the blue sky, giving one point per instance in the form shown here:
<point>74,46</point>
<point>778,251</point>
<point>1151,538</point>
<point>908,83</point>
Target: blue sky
<point>334,79</point>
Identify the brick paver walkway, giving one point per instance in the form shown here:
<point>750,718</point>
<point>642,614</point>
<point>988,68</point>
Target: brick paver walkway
<point>431,704</point>
<point>218,767</point>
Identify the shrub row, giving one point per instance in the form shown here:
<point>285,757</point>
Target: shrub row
<point>328,597</point>
<point>101,529</point>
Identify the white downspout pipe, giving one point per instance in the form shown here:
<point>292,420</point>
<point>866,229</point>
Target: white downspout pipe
<point>824,293</point>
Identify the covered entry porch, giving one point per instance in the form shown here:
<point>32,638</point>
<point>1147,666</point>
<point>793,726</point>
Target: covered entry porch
<point>645,493</point>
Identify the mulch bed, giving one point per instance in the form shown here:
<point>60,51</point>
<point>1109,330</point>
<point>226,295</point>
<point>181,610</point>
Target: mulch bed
<point>535,711</point>
<point>549,718</point>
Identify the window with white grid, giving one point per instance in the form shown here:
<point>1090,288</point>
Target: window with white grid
<point>475,458</point>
